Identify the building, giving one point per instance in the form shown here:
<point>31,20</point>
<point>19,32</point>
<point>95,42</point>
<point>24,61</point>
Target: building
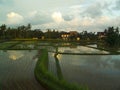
<point>101,35</point>
<point>72,35</point>
<point>65,36</point>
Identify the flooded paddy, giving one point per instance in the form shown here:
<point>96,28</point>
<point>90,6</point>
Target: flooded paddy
<point>17,70</point>
<point>98,72</point>
<point>81,49</point>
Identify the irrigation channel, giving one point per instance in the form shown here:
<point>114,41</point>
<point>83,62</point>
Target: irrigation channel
<point>84,65</point>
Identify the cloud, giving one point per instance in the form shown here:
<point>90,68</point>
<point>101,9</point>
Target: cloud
<point>94,10</point>
<point>38,17</point>
<point>83,23</point>
<point>6,2</point>
<point>2,1</point>
<point>97,8</point>
<point>14,18</point>
<point>117,7</point>
<point>57,17</point>
<point>68,17</point>
<point>92,15</point>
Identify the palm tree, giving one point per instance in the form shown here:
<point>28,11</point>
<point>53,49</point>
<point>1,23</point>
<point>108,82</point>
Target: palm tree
<point>3,28</point>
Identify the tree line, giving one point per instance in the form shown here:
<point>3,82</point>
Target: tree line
<point>24,31</point>
<point>112,37</point>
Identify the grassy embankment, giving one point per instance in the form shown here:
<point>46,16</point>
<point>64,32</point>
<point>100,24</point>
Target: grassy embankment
<point>8,45</point>
<point>48,80</point>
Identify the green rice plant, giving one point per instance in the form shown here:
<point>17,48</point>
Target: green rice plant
<point>7,45</point>
<point>48,80</point>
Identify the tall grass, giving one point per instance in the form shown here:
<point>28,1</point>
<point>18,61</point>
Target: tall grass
<point>48,80</point>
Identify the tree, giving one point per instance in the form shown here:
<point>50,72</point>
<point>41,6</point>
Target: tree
<point>2,30</point>
<point>27,29</point>
<point>29,26</point>
<point>48,34</point>
<point>112,38</point>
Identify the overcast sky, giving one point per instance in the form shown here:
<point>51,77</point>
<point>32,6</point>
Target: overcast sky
<point>68,15</point>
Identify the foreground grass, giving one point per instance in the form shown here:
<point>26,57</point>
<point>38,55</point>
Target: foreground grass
<point>48,80</point>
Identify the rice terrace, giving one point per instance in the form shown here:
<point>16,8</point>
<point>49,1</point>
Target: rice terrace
<point>55,64</point>
<point>59,45</point>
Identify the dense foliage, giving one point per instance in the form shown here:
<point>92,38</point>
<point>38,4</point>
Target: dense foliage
<point>26,32</point>
<point>112,37</point>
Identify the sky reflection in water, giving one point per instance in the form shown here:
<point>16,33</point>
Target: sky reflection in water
<point>95,63</point>
<point>99,72</point>
<point>81,49</point>
<point>15,55</point>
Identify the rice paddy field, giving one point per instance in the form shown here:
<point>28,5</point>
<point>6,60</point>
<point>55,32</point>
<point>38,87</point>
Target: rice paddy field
<point>98,72</point>
<point>84,65</point>
<point>17,70</point>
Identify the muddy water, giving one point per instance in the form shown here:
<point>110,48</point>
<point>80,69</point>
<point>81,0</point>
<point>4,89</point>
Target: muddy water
<point>17,70</point>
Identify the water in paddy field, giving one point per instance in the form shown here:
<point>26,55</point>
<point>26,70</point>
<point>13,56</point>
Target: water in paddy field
<point>98,72</point>
<point>17,70</point>
<point>93,45</point>
<point>81,49</point>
